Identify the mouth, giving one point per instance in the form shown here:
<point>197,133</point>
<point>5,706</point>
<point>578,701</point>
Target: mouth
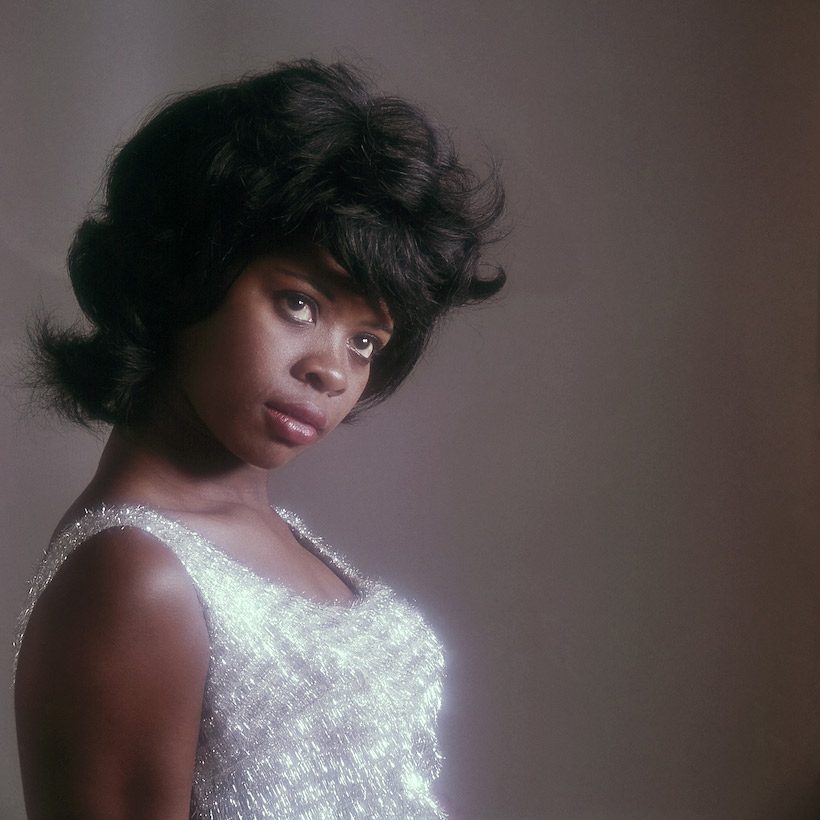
<point>297,423</point>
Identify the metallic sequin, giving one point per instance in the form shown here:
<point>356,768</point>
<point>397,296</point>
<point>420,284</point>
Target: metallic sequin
<point>312,710</point>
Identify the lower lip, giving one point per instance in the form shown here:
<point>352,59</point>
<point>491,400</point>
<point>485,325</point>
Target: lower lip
<point>291,430</point>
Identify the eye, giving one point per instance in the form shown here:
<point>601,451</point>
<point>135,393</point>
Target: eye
<point>365,346</point>
<point>299,308</point>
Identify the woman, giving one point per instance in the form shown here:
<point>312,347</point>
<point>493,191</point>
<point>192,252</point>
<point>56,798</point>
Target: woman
<point>270,259</point>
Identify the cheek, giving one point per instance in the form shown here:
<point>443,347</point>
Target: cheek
<point>356,389</point>
<point>361,386</point>
<point>213,368</point>
<point>243,355</point>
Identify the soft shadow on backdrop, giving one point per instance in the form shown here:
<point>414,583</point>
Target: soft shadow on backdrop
<point>603,489</point>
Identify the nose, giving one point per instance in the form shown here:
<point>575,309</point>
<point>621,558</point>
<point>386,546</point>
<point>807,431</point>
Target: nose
<point>323,372</point>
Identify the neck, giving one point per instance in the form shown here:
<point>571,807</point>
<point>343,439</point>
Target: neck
<point>175,465</point>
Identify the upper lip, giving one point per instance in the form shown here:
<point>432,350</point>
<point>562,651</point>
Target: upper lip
<point>305,411</point>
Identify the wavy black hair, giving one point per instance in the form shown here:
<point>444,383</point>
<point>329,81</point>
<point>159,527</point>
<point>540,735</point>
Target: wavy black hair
<point>217,177</point>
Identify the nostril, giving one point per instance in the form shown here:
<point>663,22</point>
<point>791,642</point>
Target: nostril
<point>321,373</point>
<point>331,382</point>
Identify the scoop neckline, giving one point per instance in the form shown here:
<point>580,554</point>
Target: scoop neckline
<point>313,543</point>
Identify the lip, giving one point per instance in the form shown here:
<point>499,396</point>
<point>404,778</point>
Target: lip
<point>296,422</point>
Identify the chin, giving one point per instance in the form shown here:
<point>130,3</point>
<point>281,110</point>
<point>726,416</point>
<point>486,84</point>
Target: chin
<point>272,458</point>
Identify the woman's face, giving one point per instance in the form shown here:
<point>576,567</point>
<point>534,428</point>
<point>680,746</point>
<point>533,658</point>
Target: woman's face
<point>283,359</point>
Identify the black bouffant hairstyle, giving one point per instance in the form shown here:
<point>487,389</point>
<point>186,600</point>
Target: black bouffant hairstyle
<point>222,175</point>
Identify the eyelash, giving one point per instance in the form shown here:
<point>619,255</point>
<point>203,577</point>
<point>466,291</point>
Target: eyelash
<point>290,297</point>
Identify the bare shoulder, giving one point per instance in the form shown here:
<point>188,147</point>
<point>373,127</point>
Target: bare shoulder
<point>110,679</point>
<point>119,579</point>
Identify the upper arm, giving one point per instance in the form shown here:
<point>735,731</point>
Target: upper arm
<point>109,684</point>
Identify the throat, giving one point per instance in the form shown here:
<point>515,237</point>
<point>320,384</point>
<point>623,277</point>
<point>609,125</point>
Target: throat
<point>141,467</point>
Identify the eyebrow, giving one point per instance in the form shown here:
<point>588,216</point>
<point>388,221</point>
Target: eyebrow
<point>343,282</point>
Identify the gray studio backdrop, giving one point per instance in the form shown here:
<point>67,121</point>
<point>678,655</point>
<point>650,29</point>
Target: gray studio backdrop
<point>603,489</point>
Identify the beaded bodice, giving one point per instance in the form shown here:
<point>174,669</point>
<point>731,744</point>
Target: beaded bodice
<point>311,710</point>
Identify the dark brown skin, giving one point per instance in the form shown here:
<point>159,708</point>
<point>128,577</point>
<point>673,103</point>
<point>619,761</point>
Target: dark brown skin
<point>114,661</point>
<point>110,684</point>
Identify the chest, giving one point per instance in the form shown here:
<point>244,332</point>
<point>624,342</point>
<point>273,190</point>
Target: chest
<point>287,670</point>
<point>278,557</point>
<point>268,630</point>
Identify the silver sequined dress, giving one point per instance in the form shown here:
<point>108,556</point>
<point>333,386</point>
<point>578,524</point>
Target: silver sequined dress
<point>311,710</point>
